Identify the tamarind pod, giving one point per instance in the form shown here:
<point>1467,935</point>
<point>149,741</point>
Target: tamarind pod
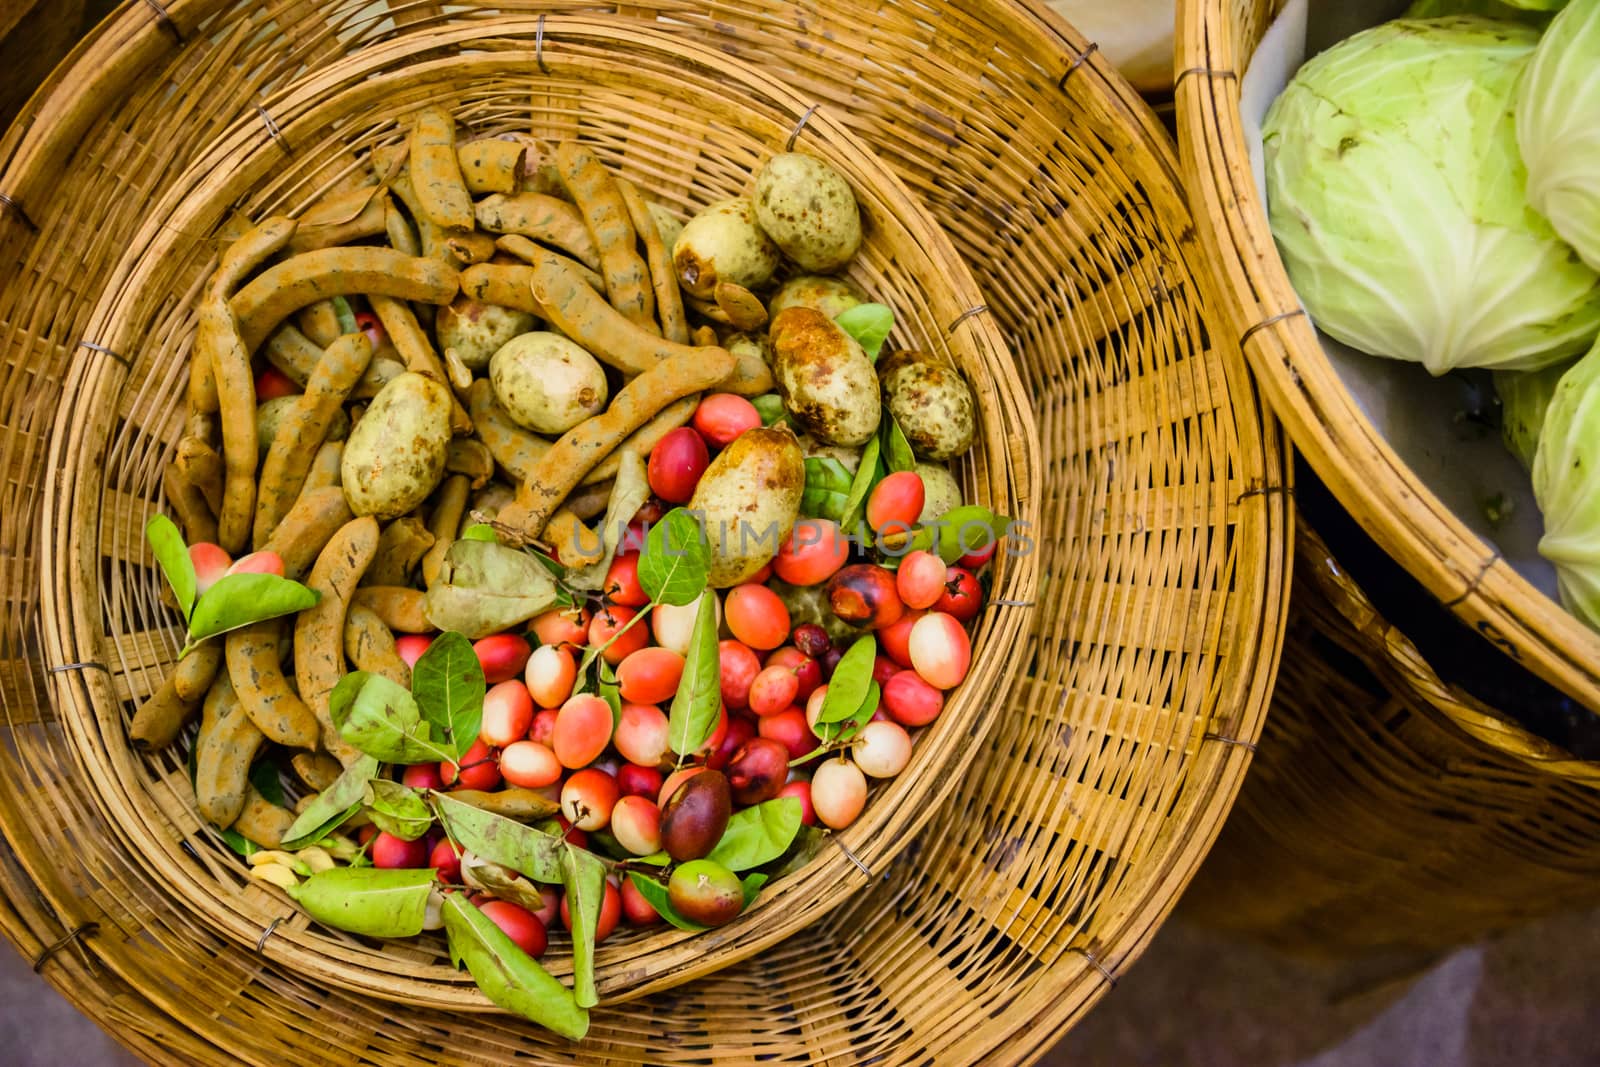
<point>293,353</point>
<point>401,546</point>
<point>470,456</point>
<point>644,440</point>
<point>588,501</point>
<point>325,468</point>
<point>576,545</point>
<point>400,608</point>
<point>515,244</point>
<point>301,432</point>
<point>259,682</point>
<point>319,630</point>
<point>311,276</point>
<point>261,822</point>
<point>320,323</point>
<point>236,405</point>
<point>582,448</point>
<point>380,372</point>
<point>583,315</point>
<point>541,218</point>
<point>225,747</point>
<point>705,335</point>
<point>512,447</point>
<point>444,523</point>
<point>742,308</point>
<point>435,171</point>
<point>491,498</point>
<point>708,309</point>
<point>491,165</point>
<point>515,803</point>
<point>502,284</point>
<point>402,237</point>
<point>590,185</point>
<point>430,236</point>
<point>369,644</point>
<point>247,252</point>
<point>469,248</point>
<point>193,674</point>
<point>317,770</point>
<point>189,503</point>
<point>658,257</point>
<point>412,343</point>
<point>202,466</point>
<point>160,718</point>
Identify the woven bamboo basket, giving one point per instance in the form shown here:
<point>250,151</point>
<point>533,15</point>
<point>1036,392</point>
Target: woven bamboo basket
<point>1109,764</point>
<point>1455,564</point>
<point>1405,816</point>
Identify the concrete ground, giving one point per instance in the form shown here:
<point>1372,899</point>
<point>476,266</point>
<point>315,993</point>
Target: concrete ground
<point>1196,1000</point>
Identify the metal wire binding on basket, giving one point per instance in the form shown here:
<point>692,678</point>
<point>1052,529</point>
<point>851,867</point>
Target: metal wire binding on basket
<point>1469,821</point>
<point>1080,816</point>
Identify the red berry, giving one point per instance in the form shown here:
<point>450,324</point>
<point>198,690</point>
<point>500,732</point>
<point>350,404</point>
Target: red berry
<point>372,326</point>
<point>895,502</point>
<point>740,730</point>
<point>920,579</point>
<point>610,912</point>
<point>636,781</point>
<point>411,647</point>
<point>502,656</point>
<point>911,701</point>
<point>815,550</point>
<point>422,776</point>
<point>479,769</point>
<point>676,464</point>
<point>789,729</point>
<point>519,924</point>
<point>811,639</point>
<point>774,689</point>
<point>962,597</point>
<point>883,669</point>
<point>614,620</point>
<point>637,910</point>
<point>801,790</point>
<point>622,582</point>
<point>447,861</point>
<point>895,639</point>
<point>722,417</point>
<point>756,615</point>
<point>739,667</point>
<point>389,851</point>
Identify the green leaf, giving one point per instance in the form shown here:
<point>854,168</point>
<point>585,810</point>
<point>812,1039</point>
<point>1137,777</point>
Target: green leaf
<point>869,324</point>
<point>675,560</point>
<point>370,901</point>
<point>264,776</point>
<point>827,488</point>
<point>847,729</point>
<point>611,693</point>
<point>807,843</point>
<point>380,718</point>
<point>241,599</point>
<point>770,407</point>
<point>501,840</point>
<point>758,835</point>
<point>629,492</point>
<point>656,893</point>
<point>584,877</point>
<point>499,880</point>
<point>398,810</point>
<point>172,556</point>
<point>751,884</point>
<point>508,976</point>
<point>852,678</point>
<point>693,718</point>
<point>345,314</point>
<point>448,686</point>
<point>896,450</point>
<point>867,476</point>
<point>967,529</point>
<point>485,587</point>
<point>479,531</point>
<point>332,806</point>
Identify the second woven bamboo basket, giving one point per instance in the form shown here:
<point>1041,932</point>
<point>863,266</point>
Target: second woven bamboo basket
<point>1093,799</point>
<point>1389,814</point>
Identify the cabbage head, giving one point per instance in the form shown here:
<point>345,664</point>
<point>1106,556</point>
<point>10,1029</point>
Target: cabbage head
<point>1566,483</point>
<point>1396,194</point>
<point>1558,127</point>
<point>1525,396</point>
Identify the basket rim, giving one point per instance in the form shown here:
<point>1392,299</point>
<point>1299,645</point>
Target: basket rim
<point>661,958</point>
<point>1462,570</point>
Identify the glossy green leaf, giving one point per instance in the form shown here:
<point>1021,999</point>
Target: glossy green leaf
<point>448,686</point>
<point>895,449</point>
<point>629,492</point>
<point>509,977</point>
<point>807,843</point>
<point>479,531</point>
<point>239,843</point>
<point>264,776</point>
<point>847,689</point>
<point>380,718</point>
<point>241,599</point>
<point>770,407</point>
<point>397,809</point>
<point>867,475</point>
<point>847,729</point>
<point>498,839</point>
<point>758,835</point>
<point>751,884</point>
<point>584,877</point>
<point>172,556</point>
<point>967,529</point>
<point>485,587</point>
<point>611,693</point>
<point>332,806</point>
<point>827,488</point>
<point>368,900</point>
<point>693,718</point>
<point>656,893</point>
<point>675,560</point>
<point>869,324</point>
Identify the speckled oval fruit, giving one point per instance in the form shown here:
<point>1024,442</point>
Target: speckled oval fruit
<point>931,401</point>
<point>808,210</point>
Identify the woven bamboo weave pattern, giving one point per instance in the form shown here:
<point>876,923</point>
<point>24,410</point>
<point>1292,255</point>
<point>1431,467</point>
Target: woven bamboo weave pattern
<point>1106,770</point>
